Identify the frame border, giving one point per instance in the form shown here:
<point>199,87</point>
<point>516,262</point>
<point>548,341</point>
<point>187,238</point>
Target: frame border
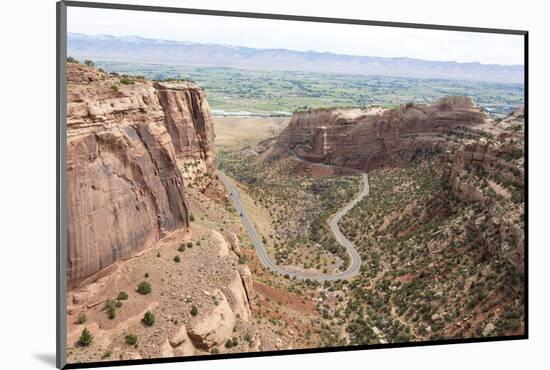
<point>61,193</point>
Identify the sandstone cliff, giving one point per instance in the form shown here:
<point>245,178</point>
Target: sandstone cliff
<point>366,139</point>
<point>490,171</point>
<point>125,189</point>
<point>480,161</point>
<point>188,120</point>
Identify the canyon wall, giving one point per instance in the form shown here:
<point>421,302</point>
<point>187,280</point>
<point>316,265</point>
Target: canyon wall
<point>124,187</point>
<point>480,161</point>
<point>188,121</point>
<point>491,172</point>
<point>366,139</point>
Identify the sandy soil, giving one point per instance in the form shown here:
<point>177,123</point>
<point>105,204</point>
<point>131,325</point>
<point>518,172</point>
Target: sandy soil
<point>240,132</point>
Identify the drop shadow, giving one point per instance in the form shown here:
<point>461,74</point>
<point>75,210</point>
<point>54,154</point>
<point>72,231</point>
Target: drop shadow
<point>47,358</point>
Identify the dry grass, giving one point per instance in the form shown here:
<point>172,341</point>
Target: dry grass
<point>241,132</point>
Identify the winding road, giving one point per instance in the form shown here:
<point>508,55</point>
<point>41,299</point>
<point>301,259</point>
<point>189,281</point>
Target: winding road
<point>265,259</point>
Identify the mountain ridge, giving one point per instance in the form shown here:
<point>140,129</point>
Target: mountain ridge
<point>139,49</point>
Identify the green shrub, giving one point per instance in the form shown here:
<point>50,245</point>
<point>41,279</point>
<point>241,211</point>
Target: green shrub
<point>189,245</point>
<point>181,248</point>
<point>86,338</point>
<point>177,259</point>
<point>82,318</point>
<point>114,88</point>
<point>89,63</point>
<point>111,306</point>
<point>126,81</point>
<point>194,311</point>
<point>191,218</point>
<point>242,260</point>
<point>122,296</point>
<point>148,318</point>
<point>131,339</point>
<point>214,350</point>
<point>111,313</point>
<point>229,343</point>
<point>144,288</point>
<point>71,60</point>
<point>146,275</point>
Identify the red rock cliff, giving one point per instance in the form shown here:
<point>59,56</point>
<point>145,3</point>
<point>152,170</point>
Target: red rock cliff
<point>364,139</point>
<point>125,190</point>
<point>188,121</point>
<point>491,171</point>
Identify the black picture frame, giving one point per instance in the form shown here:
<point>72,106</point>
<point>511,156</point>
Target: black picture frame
<point>61,205</point>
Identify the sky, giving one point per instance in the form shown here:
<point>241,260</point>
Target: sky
<point>434,45</point>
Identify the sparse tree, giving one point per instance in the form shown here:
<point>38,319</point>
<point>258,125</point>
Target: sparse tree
<point>131,339</point>
<point>144,288</point>
<point>86,338</point>
<point>148,318</point>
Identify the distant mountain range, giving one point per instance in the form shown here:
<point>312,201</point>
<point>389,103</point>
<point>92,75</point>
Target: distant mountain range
<point>143,50</point>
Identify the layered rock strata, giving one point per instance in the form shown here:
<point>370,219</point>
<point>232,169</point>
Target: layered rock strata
<point>366,139</point>
<point>491,171</point>
<point>124,187</point>
<point>481,161</point>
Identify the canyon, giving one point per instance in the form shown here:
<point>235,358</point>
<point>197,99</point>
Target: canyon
<point>135,148</point>
<point>441,234</point>
<point>475,153</point>
<point>439,237</point>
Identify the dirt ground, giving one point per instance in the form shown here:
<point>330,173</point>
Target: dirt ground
<point>239,132</point>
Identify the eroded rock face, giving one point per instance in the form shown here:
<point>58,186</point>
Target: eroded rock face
<point>514,121</point>
<point>481,161</point>
<point>125,190</point>
<point>237,297</point>
<point>366,139</point>
<point>492,174</point>
<point>188,120</point>
<point>180,343</point>
<point>233,240</point>
<point>213,328</point>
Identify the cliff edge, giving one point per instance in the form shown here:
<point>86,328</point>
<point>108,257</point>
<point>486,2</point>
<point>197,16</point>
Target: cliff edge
<point>124,137</point>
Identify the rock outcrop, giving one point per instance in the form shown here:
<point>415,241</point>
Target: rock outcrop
<point>188,120</point>
<point>237,297</point>
<point>124,187</point>
<point>215,327</point>
<point>491,172</point>
<point>366,139</point>
<point>514,121</point>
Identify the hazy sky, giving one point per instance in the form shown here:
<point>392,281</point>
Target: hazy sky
<point>302,36</point>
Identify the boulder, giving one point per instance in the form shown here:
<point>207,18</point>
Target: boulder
<point>237,297</point>
<point>234,243</point>
<point>212,328</point>
<point>488,330</point>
